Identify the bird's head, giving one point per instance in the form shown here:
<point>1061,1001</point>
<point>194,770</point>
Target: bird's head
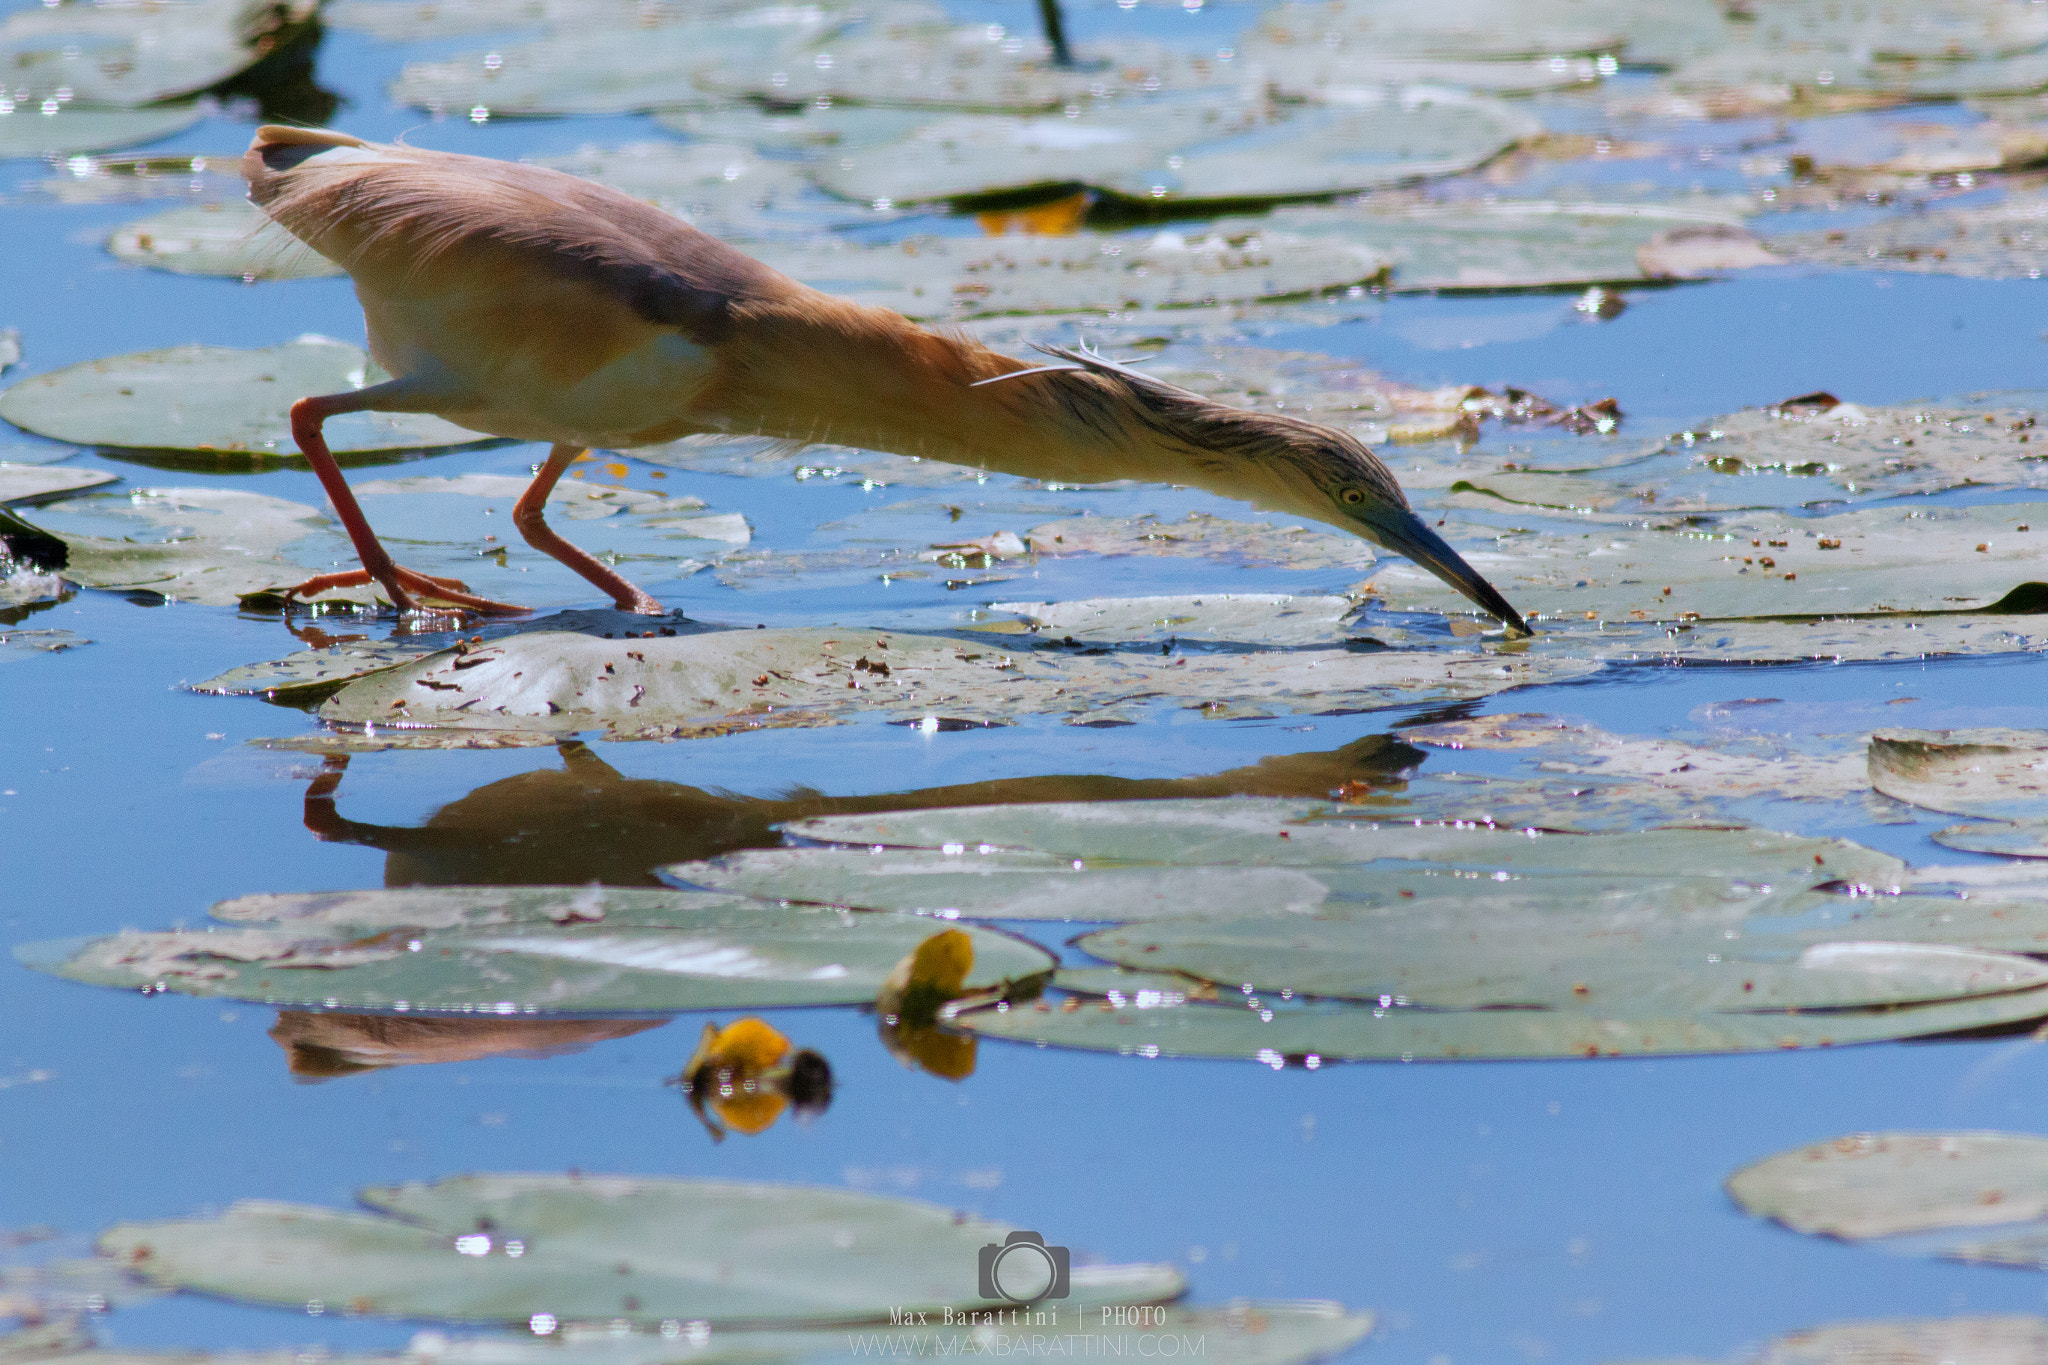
<point>1287,465</point>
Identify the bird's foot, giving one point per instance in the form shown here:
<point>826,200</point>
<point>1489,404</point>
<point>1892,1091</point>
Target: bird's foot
<point>451,591</point>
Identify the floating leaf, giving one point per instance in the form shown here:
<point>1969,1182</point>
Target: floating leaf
<point>124,179</point>
<point>976,66</point>
<point>522,950</point>
<point>1535,245</point>
<point>2004,241</point>
<point>1873,1185</point>
<point>409,21</point>
<point>1210,148</point>
<point>20,644</point>
<point>782,1253</point>
<point>1278,1034</point>
<point>1752,769</point>
<point>1474,30</point>
<point>726,190</point>
<point>621,68</point>
<point>1246,832</point>
<point>24,485</point>
<point>216,399</point>
<point>1012,886</point>
<point>1969,772</point>
<point>126,56</point>
<point>211,546</point>
<point>2005,838</point>
<point>1872,451</point>
<point>26,130</point>
<point>1201,535</point>
<point>1245,1332</point>
<point>555,684</point>
<point>1888,559</point>
<point>573,499</point>
<point>2011,1340</point>
<point>952,277</point>
<point>1244,618</point>
<point>234,239</point>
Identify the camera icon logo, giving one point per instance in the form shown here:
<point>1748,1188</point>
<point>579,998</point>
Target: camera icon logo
<point>1022,1269</point>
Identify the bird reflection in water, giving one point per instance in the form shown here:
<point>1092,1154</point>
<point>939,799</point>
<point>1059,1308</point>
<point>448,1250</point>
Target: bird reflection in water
<point>744,1076</point>
<point>585,822</point>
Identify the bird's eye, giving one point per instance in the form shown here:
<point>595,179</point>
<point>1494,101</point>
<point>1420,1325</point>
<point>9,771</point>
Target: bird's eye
<point>1354,496</point>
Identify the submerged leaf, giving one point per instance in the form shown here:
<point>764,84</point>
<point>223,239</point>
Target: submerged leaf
<point>599,1248</point>
<point>518,951</point>
<point>214,399</point>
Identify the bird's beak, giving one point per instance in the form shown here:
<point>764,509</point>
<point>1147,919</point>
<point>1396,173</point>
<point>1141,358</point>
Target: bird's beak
<point>1401,531</point>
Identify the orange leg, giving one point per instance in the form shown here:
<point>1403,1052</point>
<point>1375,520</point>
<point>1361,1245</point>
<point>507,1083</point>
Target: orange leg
<point>530,516</point>
<point>307,416</point>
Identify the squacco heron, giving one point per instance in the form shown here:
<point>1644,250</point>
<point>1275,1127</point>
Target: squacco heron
<point>529,304</point>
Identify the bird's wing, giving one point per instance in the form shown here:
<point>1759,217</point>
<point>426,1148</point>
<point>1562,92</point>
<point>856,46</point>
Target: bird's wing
<point>392,215</point>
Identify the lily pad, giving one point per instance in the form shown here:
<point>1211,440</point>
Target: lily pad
<point>725,189</point>
<point>554,684</point>
<point>1201,535</point>
<point>1869,451</point>
<point>27,130</point>
<point>1873,1185</point>
<point>1243,618</point>
<point>24,485</point>
<point>233,239</point>
<point>211,546</point>
<point>953,278</point>
<point>521,951</point>
<point>783,1253</point>
<point>1472,30</point>
<point>126,56</point>
<point>1246,832</point>
<point>620,68</point>
<point>975,66</point>
<point>414,21</point>
<point>570,498</point>
<point>1210,148</point>
<point>1889,559</point>
<point>1969,772</point>
<point>2005,838</point>
<point>759,457</point>
<point>1253,1332</point>
<point>216,399</point>
<point>1752,769</point>
<point>1488,247</point>
<point>1279,1034</point>
<point>2004,241</point>
<point>2009,1340</point>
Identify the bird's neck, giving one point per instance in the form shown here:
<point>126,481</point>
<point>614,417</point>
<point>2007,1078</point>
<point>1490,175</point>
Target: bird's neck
<point>833,372</point>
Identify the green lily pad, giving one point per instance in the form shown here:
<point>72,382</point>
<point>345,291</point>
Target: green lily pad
<point>556,1245</point>
<point>1870,451</point>
<point>550,683</point>
<point>233,239</point>
<point>416,21</point>
<point>1203,536</point>
<point>1736,769</point>
<point>759,457</point>
<point>2004,241</point>
<point>203,178</point>
<point>1246,832</point>
<point>2005,838</point>
<point>522,951</point>
<point>25,130</point>
<point>211,546</point>
<point>1201,148</point>
<point>976,66</point>
<point>24,485</point>
<point>619,68</point>
<point>1245,618</point>
<point>1899,144</point>
<point>2009,1340</point>
<point>1971,1196</point>
<point>216,399</point>
<point>1992,772</point>
<point>570,498</point>
<point>1889,559</point>
<point>1472,30</point>
<point>127,56</point>
<point>953,277</point>
<point>312,675</point>
<point>1243,1332</point>
<point>1278,1034</point>
<point>725,189</point>
<point>1487,247</point>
